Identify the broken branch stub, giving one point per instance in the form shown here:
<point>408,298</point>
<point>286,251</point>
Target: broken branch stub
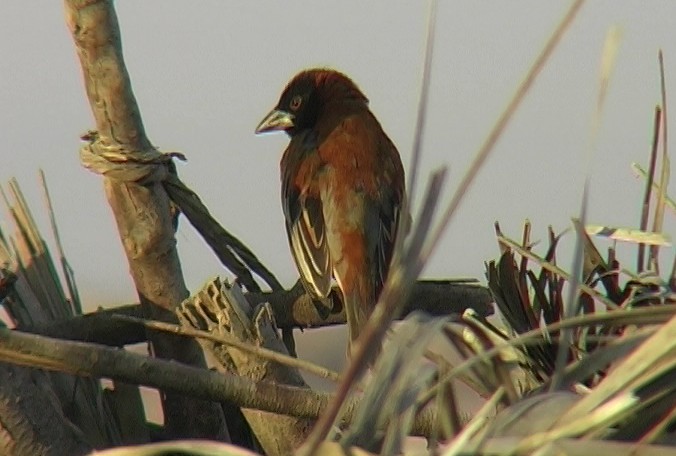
<point>222,308</point>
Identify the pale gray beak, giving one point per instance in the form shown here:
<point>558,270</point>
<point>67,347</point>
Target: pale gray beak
<point>276,120</point>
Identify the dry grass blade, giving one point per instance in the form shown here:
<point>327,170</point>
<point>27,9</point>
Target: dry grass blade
<point>658,221</point>
<point>68,273</point>
<point>535,361</point>
<point>672,280</point>
<point>608,58</point>
<point>228,340</point>
<point>461,443</point>
<point>603,356</point>
<point>640,172</point>
<point>464,342</point>
<point>660,347</point>
<point>448,412</point>
<point>644,316</point>
<point>497,371</point>
<point>578,447</point>
<point>32,257</point>
<point>631,402</point>
<point>635,399</point>
<point>186,447</point>
<point>650,183</point>
<point>502,122</point>
<point>25,218</point>
<point>533,414</point>
<point>481,335</point>
<point>571,307</point>
<point>629,235</point>
<point>386,411</point>
<point>403,271</point>
<point>661,429</point>
<point>597,418</point>
<point>405,268</point>
<point>422,103</point>
<point>557,270</point>
<point>36,297</point>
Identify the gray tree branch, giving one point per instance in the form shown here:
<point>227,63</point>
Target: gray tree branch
<point>143,213</point>
<point>91,360</point>
<point>291,308</point>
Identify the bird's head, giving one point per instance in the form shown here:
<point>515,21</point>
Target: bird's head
<point>305,98</point>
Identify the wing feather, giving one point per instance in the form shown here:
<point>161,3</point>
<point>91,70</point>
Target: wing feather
<point>305,229</point>
<point>381,232</point>
<point>310,251</point>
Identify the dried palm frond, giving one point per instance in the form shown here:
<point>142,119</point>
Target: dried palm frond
<point>392,396</point>
<point>33,294</point>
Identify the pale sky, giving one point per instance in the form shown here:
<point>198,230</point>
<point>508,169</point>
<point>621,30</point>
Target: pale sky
<point>205,73</point>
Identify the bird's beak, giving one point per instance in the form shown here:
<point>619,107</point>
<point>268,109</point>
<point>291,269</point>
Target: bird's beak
<point>276,120</point>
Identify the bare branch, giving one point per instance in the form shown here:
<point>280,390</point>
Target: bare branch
<point>144,215</point>
<point>90,360</point>
<point>292,308</point>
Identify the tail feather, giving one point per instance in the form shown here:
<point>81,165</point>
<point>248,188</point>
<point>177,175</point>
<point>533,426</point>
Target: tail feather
<point>356,315</point>
<point>358,312</point>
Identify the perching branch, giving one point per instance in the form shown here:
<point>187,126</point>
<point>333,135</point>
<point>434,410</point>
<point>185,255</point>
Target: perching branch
<point>292,308</point>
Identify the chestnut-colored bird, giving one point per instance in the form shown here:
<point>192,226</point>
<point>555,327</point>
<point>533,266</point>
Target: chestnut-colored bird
<point>342,189</point>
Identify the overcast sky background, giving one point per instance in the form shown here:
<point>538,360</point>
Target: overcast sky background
<point>205,73</point>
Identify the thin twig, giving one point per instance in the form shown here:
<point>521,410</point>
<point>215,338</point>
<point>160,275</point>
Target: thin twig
<point>226,339</point>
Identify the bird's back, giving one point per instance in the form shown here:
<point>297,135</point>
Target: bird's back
<point>361,189</point>
<point>342,188</point>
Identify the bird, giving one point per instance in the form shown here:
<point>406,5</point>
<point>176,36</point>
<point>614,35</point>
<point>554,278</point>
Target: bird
<point>342,189</point>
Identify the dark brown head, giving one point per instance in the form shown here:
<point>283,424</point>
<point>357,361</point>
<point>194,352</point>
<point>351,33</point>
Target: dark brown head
<point>305,97</point>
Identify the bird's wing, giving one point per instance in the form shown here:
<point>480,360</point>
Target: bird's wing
<point>383,222</point>
<point>305,226</point>
<point>381,234</point>
<point>366,159</point>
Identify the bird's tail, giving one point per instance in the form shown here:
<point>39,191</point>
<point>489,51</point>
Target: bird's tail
<point>356,315</point>
<point>357,312</point>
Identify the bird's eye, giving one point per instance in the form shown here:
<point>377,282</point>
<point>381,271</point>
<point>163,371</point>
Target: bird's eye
<point>296,102</point>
